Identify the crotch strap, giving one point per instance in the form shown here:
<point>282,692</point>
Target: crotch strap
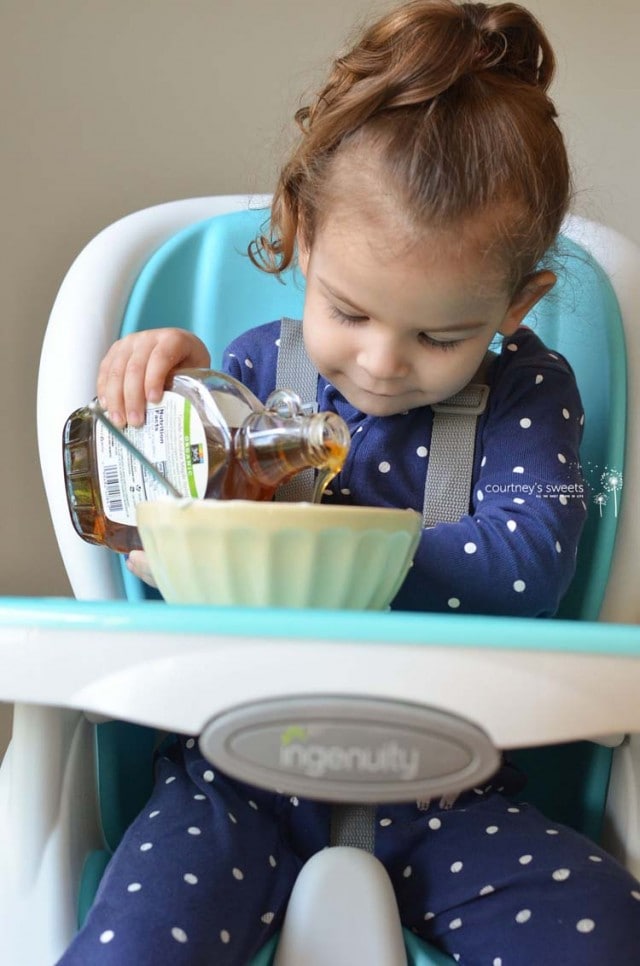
<point>446,500</point>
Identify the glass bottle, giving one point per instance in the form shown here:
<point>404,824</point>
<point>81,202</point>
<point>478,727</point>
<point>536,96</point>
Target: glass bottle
<point>210,437</point>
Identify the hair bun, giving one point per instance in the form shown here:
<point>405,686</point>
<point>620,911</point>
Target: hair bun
<point>452,99</point>
<point>510,39</point>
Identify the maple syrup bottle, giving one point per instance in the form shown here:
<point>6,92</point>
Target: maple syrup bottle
<point>209,436</point>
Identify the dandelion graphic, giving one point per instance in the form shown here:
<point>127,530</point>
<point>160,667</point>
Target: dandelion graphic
<point>611,480</point>
<point>600,499</point>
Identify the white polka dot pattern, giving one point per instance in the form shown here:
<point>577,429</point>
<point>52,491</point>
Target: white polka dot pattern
<point>529,437</point>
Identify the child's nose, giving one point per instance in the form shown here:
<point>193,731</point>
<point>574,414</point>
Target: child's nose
<point>384,359</point>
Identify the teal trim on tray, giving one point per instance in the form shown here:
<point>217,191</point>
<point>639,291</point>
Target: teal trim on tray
<point>455,630</point>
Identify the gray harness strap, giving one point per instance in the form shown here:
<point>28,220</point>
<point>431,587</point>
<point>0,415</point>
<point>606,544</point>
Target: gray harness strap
<point>453,435</point>
<point>453,439</point>
<point>296,371</point>
<point>353,825</point>
<point>446,499</point>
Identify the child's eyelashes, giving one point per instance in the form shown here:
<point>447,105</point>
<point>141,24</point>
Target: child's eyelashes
<point>436,343</point>
<point>344,317</point>
<point>423,337</point>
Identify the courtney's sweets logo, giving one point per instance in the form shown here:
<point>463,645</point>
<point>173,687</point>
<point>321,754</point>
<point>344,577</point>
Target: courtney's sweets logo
<point>610,486</point>
<point>549,490</point>
<point>316,759</point>
<point>603,487</point>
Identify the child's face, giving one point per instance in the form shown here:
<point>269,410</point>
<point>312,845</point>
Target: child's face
<point>396,326</point>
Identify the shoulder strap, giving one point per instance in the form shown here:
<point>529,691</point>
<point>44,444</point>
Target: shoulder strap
<point>448,483</point>
<point>453,440</point>
<point>296,371</point>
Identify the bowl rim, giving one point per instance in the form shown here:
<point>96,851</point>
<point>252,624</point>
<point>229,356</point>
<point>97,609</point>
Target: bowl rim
<point>250,509</point>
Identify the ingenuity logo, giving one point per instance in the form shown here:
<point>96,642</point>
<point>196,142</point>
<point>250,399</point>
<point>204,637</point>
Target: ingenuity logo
<point>317,760</point>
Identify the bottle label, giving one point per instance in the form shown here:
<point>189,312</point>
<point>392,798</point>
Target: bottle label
<point>172,438</point>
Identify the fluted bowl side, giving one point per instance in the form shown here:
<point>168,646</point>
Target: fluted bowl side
<point>248,554</point>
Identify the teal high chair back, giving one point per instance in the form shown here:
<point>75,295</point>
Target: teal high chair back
<point>203,277</point>
<point>198,276</point>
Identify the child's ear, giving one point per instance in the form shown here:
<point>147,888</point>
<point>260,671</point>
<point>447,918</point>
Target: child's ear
<point>303,253</point>
<point>529,293</point>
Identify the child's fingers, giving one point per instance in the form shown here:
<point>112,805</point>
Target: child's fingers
<point>110,382</point>
<point>173,348</point>
<point>133,381</point>
<point>121,386</point>
<point>135,369</point>
<point>137,564</point>
<point>122,376</point>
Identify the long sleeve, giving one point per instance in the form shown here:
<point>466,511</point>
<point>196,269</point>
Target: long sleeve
<point>515,552</point>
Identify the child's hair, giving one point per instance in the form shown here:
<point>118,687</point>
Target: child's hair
<point>452,100</point>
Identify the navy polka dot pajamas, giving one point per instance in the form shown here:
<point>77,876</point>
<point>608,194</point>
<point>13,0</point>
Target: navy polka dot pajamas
<point>204,873</point>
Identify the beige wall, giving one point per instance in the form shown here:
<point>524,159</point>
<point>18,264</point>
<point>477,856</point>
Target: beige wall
<point>113,105</point>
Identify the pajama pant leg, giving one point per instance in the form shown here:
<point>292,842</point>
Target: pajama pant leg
<point>202,876</point>
<point>495,883</point>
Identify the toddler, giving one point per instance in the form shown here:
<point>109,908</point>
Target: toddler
<point>429,183</point>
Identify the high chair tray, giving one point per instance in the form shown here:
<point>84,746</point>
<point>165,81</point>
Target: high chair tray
<point>527,682</point>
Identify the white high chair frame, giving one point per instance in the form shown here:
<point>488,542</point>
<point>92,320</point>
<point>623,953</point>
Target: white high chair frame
<point>64,660</point>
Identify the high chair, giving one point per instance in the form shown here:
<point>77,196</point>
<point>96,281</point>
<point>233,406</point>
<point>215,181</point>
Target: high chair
<point>69,786</point>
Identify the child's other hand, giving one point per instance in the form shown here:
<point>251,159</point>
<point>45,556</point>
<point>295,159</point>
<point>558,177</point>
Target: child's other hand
<point>135,369</point>
<point>137,564</point>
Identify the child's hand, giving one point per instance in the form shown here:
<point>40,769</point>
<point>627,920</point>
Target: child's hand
<point>137,564</point>
<point>135,369</point>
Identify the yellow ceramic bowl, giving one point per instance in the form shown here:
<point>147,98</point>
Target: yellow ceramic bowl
<point>248,554</point>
